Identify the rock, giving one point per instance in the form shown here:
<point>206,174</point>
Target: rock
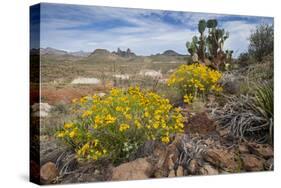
<point>41,109</point>
<point>159,155</point>
<point>269,164</point>
<point>101,94</point>
<point>243,148</point>
<point>221,158</point>
<point>171,156</point>
<point>151,73</point>
<point>230,83</point>
<point>172,174</point>
<point>134,170</point>
<point>126,53</point>
<point>82,80</point>
<point>171,71</point>
<point>193,167</point>
<point>207,169</point>
<point>252,162</point>
<point>166,157</point>
<point>170,162</point>
<point>163,81</point>
<point>122,76</point>
<point>48,172</point>
<point>262,150</point>
<point>200,123</point>
<point>178,139</point>
<point>224,132</point>
<point>180,171</point>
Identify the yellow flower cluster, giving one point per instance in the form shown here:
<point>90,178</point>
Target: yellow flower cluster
<point>188,99</point>
<point>127,116</point>
<point>195,80</point>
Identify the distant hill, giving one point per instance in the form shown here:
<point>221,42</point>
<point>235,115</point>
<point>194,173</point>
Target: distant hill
<point>100,52</point>
<point>101,56</point>
<point>80,53</point>
<point>52,55</point>
<point>52,51</point>
<point>171,53</point>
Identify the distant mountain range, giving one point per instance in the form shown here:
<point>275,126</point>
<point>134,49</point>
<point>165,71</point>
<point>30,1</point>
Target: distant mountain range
<point>125,54</point>
<point>52,55</point>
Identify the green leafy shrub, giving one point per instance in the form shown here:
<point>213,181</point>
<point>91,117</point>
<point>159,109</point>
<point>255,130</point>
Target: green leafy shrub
<point>116,125</point>
<point>261,41</point>
<point>195,80</point>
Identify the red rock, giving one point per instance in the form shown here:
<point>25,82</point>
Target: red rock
<point>134,170</point>
<point>48,172</point>
<point>180,171</point>
<point>222,158</point>
<point>192,167</point>
<point>262,150</point>
<point>208,170</point>
<point>201,124</point>
<point>252,162</point>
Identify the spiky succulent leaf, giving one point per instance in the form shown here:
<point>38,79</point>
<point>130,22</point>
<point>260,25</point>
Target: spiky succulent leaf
<point>212,23</point>
<point>201,26</point>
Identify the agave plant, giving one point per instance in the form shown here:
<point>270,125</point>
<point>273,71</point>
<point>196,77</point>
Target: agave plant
<point>249,117</point>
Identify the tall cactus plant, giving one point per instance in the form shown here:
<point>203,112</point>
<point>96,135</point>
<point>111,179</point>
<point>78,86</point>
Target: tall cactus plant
<point>210,46</point>
<point>202,40</point>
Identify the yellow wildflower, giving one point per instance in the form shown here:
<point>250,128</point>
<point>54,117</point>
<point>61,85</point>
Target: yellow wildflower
<point>123,127</point>
<point>86,113</point>
<point>110,119</point>
<point>188,99</point>
<point>165,139</point>
<point>68,125</point>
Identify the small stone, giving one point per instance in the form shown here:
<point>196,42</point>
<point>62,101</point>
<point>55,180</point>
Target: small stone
<point>192,167</point>
<point>134,170</point>
<point>207,169</point>
<point>269,164</point>
<point>180,171</point>
<point>252,162</point>
<point>243,148</point>
<point>262,150</point>
<point>41,109</point>
<point>222,158</point>
<point>101,94</point>
<point>224,132</point>
<point>48,172</point>
<point>200,123</point>
<point>172,174</point>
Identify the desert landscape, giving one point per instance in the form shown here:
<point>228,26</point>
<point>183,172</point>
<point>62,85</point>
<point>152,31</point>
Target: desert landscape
<point>111,115</point>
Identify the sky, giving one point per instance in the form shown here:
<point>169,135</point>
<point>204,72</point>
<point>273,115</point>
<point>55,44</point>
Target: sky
<point>145,32</point>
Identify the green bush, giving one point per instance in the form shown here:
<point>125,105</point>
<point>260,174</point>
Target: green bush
<point>261,41</point>
<point>116,125</point>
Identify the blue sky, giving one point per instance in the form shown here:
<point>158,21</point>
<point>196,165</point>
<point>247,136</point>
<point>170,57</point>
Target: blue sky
<point>145,32</point>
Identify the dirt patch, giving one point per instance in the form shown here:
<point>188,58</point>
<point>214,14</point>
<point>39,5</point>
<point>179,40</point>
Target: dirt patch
<point>66,93</point>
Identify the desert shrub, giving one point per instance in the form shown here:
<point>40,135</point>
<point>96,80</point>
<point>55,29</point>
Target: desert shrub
<point>195,80</point>
<point>260,72</point>
<point>264,99</point>
<point>245,59</point>
<point>261,41</point>
<point>116,125</point>
<point>249,117</point>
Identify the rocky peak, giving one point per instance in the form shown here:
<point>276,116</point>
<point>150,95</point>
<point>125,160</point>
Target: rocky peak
<point>127,53</point>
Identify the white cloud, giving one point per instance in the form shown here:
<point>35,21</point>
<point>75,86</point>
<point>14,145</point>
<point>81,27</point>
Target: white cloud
<point>239,35</point>
<point>148,35</point>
